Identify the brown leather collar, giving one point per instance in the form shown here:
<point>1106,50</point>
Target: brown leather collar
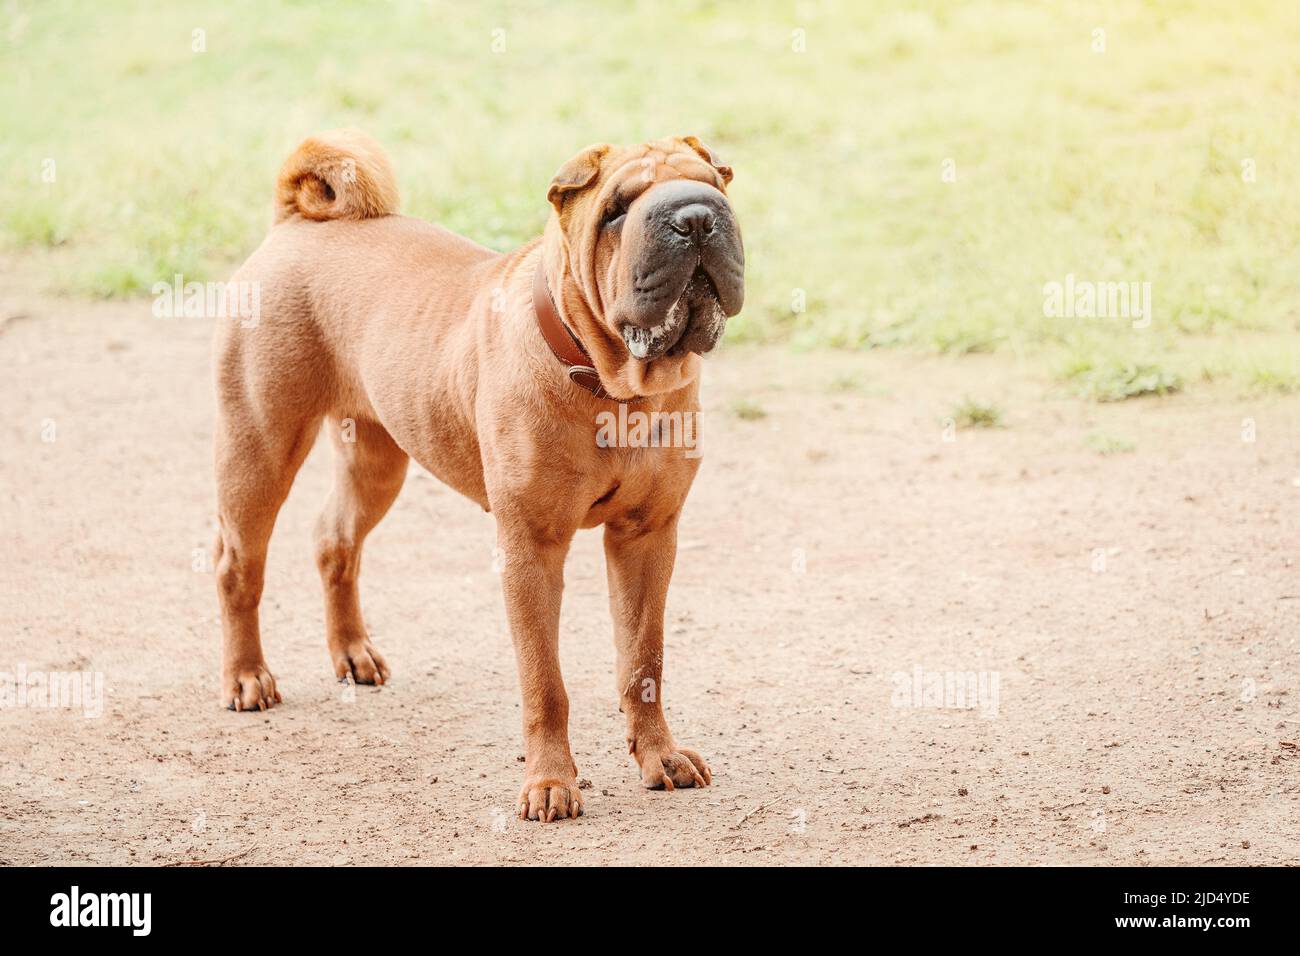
<point>564,344</point>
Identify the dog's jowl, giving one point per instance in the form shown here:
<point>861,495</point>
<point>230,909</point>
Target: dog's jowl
<point>491,371</point>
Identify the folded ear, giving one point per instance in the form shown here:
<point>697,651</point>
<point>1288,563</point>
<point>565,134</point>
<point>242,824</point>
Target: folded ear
<point>577,173</point>
<point>705,153</point>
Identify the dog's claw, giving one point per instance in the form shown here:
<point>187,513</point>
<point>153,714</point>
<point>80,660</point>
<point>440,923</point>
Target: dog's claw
<point>550,799</point>
<point>250,689</point>
<point>670,767</point>
<point>362,662</point>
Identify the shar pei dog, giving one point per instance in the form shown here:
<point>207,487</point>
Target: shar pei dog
<point>491,370</point>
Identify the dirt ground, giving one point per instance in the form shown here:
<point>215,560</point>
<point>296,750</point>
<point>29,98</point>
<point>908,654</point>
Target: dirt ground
<point>1139,612</point>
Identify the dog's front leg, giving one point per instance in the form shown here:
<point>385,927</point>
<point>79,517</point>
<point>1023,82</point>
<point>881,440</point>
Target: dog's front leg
<point>639,560</point>
<point>533,580</point>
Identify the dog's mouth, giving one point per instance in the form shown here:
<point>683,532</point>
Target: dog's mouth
<point>694,323</point>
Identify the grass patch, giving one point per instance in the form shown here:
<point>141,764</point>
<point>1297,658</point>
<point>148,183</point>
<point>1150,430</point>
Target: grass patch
<point>974,414</point>
<point>1117,380</point>
<point>1104,444</point>
<point>1270,378</point>
<point>846,382</point>
<point>747,411</point>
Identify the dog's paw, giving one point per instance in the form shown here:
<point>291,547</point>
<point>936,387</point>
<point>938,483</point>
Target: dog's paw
<point>668,767</point>
<point>550,798</point>
<point>249,688</point>
<point>360,661</point>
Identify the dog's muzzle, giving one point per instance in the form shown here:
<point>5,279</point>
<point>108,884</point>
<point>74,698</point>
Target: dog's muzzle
<point>687,270</point>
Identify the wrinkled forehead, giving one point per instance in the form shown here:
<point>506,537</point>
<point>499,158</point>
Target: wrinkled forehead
<point>634,168</point>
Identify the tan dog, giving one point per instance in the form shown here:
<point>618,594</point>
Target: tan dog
<point>418,343</point>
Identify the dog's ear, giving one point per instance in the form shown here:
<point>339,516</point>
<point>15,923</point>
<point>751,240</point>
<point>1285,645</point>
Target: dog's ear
<point>577,173</point>
<point>709,156</point>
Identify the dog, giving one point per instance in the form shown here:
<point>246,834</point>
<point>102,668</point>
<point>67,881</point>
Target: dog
<point>490,370</point>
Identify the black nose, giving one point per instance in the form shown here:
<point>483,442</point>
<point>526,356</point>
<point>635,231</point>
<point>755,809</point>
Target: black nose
<point>694,219</point>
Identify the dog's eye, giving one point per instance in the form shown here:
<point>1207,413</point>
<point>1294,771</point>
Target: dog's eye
<point>615,211</point>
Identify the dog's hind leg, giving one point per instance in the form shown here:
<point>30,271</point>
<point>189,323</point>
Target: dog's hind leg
<point>255,467</point>
<point>369,469</point>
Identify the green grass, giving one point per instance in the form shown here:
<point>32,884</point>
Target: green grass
<point>1271,378</point>
<point>973,414</point>
<point>1104,444</point>
<point>1125,165</point>
<point>846,382</point>
<point>747,411</point>
<point>1117,379</point>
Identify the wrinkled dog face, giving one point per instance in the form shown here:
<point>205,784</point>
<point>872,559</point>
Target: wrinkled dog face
<point>653,243</point>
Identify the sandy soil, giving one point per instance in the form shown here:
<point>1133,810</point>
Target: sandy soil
<point>1139,611</point>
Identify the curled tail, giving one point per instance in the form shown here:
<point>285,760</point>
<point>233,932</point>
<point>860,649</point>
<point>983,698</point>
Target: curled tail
<point>342,174</point>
